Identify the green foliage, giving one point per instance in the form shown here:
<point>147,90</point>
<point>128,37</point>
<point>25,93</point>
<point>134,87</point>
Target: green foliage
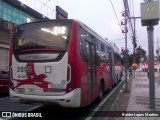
<point>139,54</point>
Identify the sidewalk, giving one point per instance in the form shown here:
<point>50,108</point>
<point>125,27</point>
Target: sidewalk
<point>139,98</point>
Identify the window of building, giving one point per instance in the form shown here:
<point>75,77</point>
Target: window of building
<point>9,18</point>
<point>1,8</point>
<point>5,16</point>
<point>5,10</point>
<point>28,20</point>
<point>13,20</point>
<point>13,14</point>
<point>9,11</point>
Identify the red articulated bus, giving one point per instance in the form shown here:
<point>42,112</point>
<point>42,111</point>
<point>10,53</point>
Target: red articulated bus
<point>61,61</point>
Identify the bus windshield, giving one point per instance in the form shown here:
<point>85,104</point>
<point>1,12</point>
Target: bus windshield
<point>52,34</point>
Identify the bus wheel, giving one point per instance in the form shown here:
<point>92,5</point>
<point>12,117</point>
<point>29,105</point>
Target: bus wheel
<point>101,92</point>
<point>121,76</point>
<point>116,80</point>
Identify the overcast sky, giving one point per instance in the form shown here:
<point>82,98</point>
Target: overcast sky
<point>99,15</point>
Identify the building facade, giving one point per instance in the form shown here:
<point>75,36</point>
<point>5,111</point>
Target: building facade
<point>12,13</point>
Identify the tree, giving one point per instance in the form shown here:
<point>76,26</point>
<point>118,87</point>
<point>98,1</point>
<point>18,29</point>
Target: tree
<point>139,54</point>
<point>123,53</point>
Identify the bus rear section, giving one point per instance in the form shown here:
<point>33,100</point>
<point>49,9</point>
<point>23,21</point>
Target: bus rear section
<point>40,67</point>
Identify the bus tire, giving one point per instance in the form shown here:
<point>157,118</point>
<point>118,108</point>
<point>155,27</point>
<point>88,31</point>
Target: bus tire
<point>101,92</point>
<point>121,76</point>
<point>117,80</point>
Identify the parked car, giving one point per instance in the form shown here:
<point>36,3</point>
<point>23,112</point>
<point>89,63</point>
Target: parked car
<point>4,82</point>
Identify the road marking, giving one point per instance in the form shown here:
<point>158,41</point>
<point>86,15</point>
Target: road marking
<point>104,100</point>
<point>33,108</point>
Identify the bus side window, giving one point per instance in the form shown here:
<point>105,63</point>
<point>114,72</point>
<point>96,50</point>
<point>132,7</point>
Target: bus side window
<point>114,56</point>
<point>81,37</point>
<point>96,43</point>
<point>80,42</point>
<point>106,52</point>
<point>85,45</point>
<point>87,52</point>
<point>103,55</point>
<point>0,74</point>
<point>102,47</point>
<point>98,52</point>
<point>109,54</point>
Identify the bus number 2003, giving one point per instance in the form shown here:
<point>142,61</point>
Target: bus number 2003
<point>24,69</point>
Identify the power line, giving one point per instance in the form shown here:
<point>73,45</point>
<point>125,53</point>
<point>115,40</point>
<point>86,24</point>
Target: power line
<point>132,12</point>
<point>133,7</point>
<point>122,3</point>
<point>147,45</point>
<point>44,4</point>
<point>119,39</point>
<point>116,15</point>
<point>144,42</point>
<point>128,14</point>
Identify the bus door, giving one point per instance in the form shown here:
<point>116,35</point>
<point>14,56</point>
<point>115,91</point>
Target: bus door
<point>90,55</point>
<point>111,67</point>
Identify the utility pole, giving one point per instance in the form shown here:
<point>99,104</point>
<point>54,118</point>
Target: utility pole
<point>126,45</point>
<point>158,51</point>
<point>140,57</point>
<point>126,15</point>
<point>150,17</point>
<point>125,30</point>
<point>150,30</point>
<point>134,42</point>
